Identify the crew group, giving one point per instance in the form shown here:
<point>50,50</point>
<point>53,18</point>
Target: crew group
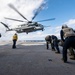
<point>67,41</point>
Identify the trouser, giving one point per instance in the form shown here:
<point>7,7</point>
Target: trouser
<point>71,50</point>
<point>47,45</point>
<point>14,44</point>
<point>56,45</point>
<point>52,46</point>
<point>69,42</point>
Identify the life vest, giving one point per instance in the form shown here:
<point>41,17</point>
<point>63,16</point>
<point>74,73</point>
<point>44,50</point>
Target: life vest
<point>15,37</point>
<point>68,32</point>
<point>48,38</point>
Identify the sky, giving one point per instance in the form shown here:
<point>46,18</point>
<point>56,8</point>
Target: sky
<point>62,10</point>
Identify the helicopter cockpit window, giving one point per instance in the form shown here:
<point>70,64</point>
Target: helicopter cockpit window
<point>36,24</point>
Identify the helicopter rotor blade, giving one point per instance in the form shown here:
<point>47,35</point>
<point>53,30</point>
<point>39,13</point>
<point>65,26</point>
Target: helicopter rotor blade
<point>47,26</point>
<point>46,20</point>
<point>14,19</point>
<point>38,10</point>
<point>5,25</point>
<point>10,5</point>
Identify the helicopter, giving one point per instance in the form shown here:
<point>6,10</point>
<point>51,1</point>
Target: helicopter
<point>28,26</point>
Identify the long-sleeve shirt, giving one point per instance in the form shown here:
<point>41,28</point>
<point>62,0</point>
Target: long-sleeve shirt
<point>62,35</point>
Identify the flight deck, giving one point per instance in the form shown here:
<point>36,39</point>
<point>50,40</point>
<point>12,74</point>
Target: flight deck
<point>32,58</point>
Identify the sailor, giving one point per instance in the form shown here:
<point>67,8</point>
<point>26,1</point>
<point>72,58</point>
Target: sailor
<point>15,37</point>
<point>54,41</point>
<point>68,37</point>
<point>48,41</point>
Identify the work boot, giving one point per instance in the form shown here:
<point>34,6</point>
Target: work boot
<point>57,52</point>
<point>72,57</point>
<point>53,49</point>
<point>65,61</point>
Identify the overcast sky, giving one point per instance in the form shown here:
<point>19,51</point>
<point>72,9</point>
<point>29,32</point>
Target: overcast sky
<point>62,10</point>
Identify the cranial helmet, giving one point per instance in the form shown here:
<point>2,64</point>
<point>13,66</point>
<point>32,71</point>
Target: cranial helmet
<point>64,26</point>
<point>15,33</point>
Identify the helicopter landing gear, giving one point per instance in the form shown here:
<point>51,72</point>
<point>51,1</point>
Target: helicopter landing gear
<point>26,32</point>
<point>42,29</point>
